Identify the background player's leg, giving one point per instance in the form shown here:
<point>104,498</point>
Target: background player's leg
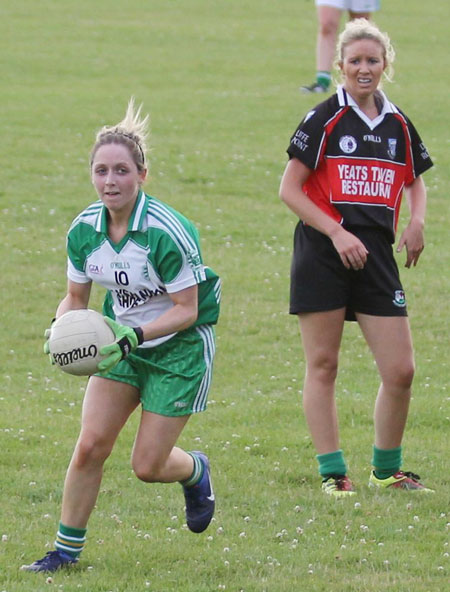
<point>329,18</point>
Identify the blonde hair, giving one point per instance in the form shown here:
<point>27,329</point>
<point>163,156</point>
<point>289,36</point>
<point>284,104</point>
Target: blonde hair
<point>361,28</point>
<point>132,132</point>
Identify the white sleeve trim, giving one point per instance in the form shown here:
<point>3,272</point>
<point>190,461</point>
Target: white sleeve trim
<point>75,275</point>
<point>181,284</point>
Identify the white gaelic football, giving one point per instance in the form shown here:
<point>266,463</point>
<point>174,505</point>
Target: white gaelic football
<point>75,341</point>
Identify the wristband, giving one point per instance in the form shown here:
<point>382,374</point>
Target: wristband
<point>139,334</point>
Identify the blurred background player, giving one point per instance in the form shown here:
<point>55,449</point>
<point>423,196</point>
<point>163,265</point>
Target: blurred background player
<point>161,302</point>
<point>351,158</point>
<point>329,16</point>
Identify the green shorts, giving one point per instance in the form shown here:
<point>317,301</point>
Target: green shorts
<point>173,378</point>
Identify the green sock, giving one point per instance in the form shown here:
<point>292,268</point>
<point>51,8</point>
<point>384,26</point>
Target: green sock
<point>70,540</point>
<point>331,463</point>
<point>323,78</point>
<point>386,462</point>
<point>197,473</point>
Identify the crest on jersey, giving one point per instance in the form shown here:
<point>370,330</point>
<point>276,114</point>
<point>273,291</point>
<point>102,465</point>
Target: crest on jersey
<point>392,147</point>
<point>347,144</point>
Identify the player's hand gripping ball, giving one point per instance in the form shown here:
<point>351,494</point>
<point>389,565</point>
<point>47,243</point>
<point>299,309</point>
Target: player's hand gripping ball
<point>126,340</point>
<point>74,341</point>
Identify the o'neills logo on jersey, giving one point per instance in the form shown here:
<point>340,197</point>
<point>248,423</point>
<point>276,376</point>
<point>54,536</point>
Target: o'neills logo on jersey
<point>372,138</point>
<point>348,144</point>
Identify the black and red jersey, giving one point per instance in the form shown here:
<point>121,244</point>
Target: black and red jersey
<point>359,165</point>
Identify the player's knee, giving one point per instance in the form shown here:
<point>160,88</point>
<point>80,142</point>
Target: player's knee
<point>324,368</point>
<point>328,27</point>
<point>90,450</point>
<point>401,376</point>
<point>405,374</point>
<point>147,470</point>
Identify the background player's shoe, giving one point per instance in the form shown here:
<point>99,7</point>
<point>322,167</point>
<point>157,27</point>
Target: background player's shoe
<point>313,88</point>
<point>200,501</point>
<point>52,561</point>
<point>338,486</point>
<point>401,480</point>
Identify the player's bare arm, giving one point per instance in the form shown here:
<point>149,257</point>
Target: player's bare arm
<point>181,316</point>
<point>351,250</point>
<point>77,297</point>
<point>413,236</point>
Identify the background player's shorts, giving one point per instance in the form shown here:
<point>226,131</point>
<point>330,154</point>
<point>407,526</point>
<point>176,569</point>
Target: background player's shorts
<point>174,377</point>
<point>321,282</point>
<point>353,5</point>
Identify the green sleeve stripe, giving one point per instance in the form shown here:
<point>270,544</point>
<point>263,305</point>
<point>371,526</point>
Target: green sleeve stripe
<point>167,219</point>
<point>179,234</point>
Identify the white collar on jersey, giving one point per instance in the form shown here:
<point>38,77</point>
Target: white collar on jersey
<point>137,218</point>
<point>345,99</point>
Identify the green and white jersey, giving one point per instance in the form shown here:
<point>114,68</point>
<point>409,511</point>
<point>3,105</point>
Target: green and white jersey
<point>159,255</point>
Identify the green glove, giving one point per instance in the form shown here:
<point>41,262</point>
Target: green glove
<point>47,334</point>
<point>127,340</point>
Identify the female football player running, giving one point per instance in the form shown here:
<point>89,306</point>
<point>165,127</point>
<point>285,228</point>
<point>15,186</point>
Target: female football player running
<point>350,160</point>
<point>161,303</point>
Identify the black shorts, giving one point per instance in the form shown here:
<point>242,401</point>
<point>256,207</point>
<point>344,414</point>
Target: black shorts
<point>321,282</point>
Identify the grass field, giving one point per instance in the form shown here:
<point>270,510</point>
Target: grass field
<point>220,80</point>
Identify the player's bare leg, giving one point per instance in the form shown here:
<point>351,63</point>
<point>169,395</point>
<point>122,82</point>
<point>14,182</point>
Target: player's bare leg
<point>329,18</point>
<point>321,336</point>
<point>389,339</point>
<point>155,456</point>
<point>107,406</point>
